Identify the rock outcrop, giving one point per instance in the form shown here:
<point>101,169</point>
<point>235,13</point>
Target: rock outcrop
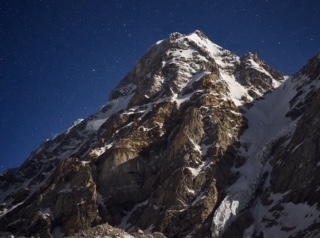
<point>194,142</point>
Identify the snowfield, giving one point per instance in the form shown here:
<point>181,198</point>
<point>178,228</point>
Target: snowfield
<point>267,123</point>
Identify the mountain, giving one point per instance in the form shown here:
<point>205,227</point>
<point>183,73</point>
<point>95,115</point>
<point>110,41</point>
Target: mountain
<point>194,142</point>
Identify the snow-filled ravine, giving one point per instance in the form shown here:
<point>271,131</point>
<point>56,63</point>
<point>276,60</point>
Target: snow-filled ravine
<point>266,123</point>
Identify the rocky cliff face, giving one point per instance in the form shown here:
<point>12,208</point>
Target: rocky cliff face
<point>194,142</point>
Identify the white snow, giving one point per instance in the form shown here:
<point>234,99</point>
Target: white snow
<point>47,213</point>
<point>184,53</point>
<point>228,209</point>
<point>191,191</point>
<point>127,236</point>
<point>195,172</point>
<point>98,119</point>
<point>158,42</point>
<point>199,198</point>
<point>98,151</point>
<point>254,65</point>
<point>215,50</point>
<point>197,77</point>
<point>149,229</point>
<point>78,121</point>
<point>156,86</point>
<point>124,222</point>
<point>205,43</point>
<point>179,98</point>
<point>289,220</point>
<point>297,146</point>
<point>201,167</point>
<point>267,122</point>
<point>236,90</point>
<point>93,123</point>
<point>6,210</point>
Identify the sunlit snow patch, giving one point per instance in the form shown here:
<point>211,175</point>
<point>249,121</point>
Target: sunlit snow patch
<point>115,106</point>
<point>78,121</point>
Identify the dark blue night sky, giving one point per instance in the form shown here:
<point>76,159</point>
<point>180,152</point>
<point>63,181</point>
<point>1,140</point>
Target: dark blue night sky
<point>59,60</point>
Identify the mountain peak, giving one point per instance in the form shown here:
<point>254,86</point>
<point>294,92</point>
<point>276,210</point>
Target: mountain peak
<point>175,35</point>
<point>251,55</point>
<point>310,72</point>
<point>194,142</point>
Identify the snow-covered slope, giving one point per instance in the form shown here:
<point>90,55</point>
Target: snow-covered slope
<point>267,122</point>
<point>193,143</point>
<point>271,123</point>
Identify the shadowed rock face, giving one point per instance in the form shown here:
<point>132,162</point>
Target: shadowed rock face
<point>174,141</point>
